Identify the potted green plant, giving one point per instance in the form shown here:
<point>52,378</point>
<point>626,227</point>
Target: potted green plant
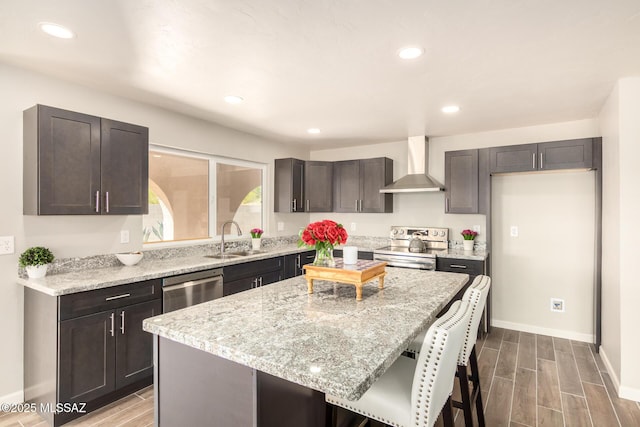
<point>468,236</point>
<point>36,260</point>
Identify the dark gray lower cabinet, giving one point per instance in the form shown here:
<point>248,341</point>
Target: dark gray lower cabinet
<point>88,347</point>
<point>249,275</point>
<point>293,263</point>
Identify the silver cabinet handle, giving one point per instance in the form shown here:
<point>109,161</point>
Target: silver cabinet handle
<point>356,205</point>
<point>295,205</point>
<point>541,161</point>
<point>458,266</point>
<point>360,205</point>
<point>298,261</point>
<point>117,297</point>
<point>113,324</point>
<point>534,161</point>
<point>254,283</point>
<point>107,201</point>
<point>98,201</point>
<point>446,204</point>
<point>260,278</point>
<point>122,322</point>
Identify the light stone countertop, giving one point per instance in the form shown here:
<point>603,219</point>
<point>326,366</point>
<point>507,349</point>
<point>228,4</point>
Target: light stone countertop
<point>326,341</point>
<point>458,253</point>
<point>97,278</point>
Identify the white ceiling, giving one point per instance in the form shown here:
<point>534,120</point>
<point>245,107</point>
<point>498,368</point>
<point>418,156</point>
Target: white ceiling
<point>333,64</point>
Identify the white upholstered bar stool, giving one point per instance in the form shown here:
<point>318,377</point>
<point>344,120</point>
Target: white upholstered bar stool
<point>413,392</point>
<point>476,295</point>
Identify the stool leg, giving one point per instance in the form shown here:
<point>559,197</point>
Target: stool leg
<point>463,379</point>
<point>475,378</point>
<point>447,413</point>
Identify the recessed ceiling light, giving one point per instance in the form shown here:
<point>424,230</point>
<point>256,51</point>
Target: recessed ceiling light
<point>233,99</point>
<point>450,109</point>
<point>411,52</point>
<point>56,30</point>
<point>313,131</point>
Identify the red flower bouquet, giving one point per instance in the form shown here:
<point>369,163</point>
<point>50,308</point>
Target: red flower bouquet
<point>323,236</point>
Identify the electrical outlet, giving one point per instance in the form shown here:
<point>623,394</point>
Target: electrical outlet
<point>476,228</point>
<point>353,226</point>
<point>124,236</point>
<point>280,226</point>
<point>514,231</point>
<point>7,245</point>
<point>557,305</point>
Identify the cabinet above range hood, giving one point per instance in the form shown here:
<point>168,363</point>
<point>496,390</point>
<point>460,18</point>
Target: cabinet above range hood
<point>417,179</point>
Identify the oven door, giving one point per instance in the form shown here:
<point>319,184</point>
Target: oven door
<point>191,292</point>
<point>422,263</point>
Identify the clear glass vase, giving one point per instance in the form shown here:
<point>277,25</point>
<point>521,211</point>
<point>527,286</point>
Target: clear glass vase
<point>324,255</point>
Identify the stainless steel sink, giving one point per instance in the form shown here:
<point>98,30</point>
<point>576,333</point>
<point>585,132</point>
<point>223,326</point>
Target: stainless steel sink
<point>236,254</point>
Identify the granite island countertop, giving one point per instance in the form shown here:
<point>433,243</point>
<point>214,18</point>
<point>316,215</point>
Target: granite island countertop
<point>326,341</point>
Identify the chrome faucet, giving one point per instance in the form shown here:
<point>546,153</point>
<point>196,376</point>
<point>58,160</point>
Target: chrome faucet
<point>222,233</point>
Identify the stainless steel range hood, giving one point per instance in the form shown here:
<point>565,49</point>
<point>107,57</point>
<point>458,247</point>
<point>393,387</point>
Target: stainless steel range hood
<point>417,179</point>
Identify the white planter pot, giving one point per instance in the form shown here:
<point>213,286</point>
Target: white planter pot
<point>37,271</point>
<point>255,243</point>
<point>467,245</point>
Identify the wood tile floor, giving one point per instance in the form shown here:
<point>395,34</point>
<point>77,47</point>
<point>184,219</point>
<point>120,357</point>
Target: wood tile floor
<point>535,380</point>
<point>527,380</point>
<point>135,410</point>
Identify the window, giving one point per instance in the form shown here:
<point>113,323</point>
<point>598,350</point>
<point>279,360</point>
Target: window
<point>181,184</point>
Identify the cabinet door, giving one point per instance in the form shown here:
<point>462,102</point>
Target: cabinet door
<point>375,174</point>
<point>318,186</point>
<point>61,162</point>
<point>514,158</point>
<point>270,277</point>
<point>125,168</point>
<point>239,285</point>
<point>292,264</point>
<point>134,347</point>
<point>87,357</point>
<point>572,154</point>
<point>289,185</point>
<point>346,186</point>
<point>461,181</point>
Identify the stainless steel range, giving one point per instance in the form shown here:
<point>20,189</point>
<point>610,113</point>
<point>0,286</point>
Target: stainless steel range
<point>413,247</point>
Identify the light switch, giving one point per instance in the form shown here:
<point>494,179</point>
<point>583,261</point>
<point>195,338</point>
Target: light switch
<point>280,226</point>
<point>353,226</point>
<point>514,231</point>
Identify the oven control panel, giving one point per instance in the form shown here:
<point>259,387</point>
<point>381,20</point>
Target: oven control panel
<point>431,234</point>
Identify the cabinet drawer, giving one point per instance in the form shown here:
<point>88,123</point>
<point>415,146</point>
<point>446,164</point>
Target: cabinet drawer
<point>90,302</point>
<point>251,269</point>
<point>466,266</point>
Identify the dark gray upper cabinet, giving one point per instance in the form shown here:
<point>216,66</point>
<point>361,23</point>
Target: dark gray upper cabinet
<point>461,181</point>
<point>318,186</point>
<point>124,168</point>
<point>570,154</point>
<point>77,164</point>
<point>289,185</point>
<point>514,158</point>
<point>357,184</point>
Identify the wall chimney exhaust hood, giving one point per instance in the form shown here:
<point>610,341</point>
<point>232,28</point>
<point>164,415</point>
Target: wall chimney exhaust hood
<point>417,180</point>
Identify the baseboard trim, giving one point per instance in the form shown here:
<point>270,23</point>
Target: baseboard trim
<point>624,392</point>
<point>558,333</point>
<point>15,397</point>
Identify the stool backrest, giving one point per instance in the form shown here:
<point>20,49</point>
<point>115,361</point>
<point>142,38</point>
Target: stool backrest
<point>476,295</point>
<point>436,364</point>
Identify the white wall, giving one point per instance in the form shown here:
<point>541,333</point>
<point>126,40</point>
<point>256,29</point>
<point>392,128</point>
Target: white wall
<point>552,256</point>
<point>75,236</point>
<point>621,292</point>
<point>611,326</point>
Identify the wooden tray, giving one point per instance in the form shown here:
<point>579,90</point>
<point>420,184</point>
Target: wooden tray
<point>357,274</point>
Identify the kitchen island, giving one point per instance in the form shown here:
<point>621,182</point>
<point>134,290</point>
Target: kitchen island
<point>267,356</point>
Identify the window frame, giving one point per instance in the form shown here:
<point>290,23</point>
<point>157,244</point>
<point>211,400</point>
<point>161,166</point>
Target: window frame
<point>213,162</point>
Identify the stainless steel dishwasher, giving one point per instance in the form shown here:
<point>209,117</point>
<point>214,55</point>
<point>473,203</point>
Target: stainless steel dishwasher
<point>190,289</point>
